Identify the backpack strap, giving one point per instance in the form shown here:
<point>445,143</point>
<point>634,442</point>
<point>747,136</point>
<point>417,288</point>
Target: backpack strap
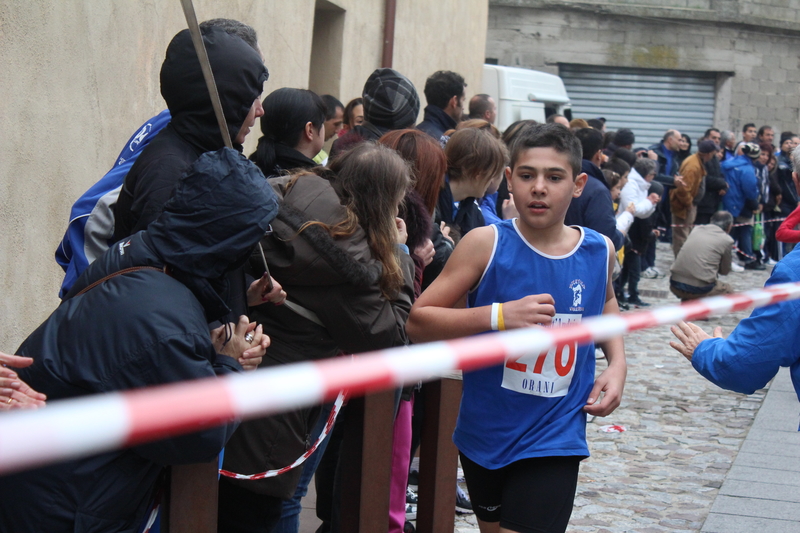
<point>117,273</point>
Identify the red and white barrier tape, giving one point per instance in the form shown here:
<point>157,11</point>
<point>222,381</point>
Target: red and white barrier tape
<point>754,223</point>
<point>337,406</point>
<point>738,251</point>
<point>80,427</point>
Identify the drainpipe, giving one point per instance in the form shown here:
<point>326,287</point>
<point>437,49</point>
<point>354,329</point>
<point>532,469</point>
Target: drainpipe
<point>390,9</point>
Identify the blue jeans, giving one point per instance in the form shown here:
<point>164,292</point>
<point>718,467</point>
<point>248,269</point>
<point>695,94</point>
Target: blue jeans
<point>290,512</point>
<point>743,235</point>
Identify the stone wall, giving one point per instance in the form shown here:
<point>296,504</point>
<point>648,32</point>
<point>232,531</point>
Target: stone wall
<point>80,75</point>
<point>752,46</point>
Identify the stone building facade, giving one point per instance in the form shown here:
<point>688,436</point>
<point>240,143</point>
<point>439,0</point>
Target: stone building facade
<point>751,48</point>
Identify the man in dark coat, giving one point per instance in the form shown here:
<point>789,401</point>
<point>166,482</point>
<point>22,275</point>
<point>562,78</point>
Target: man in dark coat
<point>240,74</point>
<point>716,186</point>
<point>445,93</point>
<point>593,208</point>
<point>139,329</point>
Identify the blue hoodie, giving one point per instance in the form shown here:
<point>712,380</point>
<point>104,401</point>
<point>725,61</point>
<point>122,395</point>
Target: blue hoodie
<point>742,196</point>
<point>760,344</point>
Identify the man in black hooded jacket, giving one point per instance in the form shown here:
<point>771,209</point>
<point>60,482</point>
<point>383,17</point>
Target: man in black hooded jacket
<point>240,74</point>
<point>140,329</point>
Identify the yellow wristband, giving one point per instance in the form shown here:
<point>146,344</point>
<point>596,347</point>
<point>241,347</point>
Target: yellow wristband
<point>501,323</point>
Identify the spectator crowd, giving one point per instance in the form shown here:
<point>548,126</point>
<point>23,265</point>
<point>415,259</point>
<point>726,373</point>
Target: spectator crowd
<point>198,261</point>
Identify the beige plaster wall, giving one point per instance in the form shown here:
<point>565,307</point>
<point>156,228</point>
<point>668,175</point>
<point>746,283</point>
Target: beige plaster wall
<point>80,75</point>
<point>436,35</point>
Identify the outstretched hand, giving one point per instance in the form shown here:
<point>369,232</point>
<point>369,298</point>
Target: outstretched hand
<point>690,335</point>
<point>15,393</point>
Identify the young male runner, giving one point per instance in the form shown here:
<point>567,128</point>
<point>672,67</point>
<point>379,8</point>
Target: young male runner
<point>522,426</point>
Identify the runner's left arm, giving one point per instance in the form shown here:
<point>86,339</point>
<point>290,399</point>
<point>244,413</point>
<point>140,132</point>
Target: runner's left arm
<point>612,381</point>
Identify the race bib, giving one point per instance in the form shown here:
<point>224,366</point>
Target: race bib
<point>547,374</point>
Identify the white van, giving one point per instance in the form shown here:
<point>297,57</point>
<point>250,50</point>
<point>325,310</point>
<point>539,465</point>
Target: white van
<point>523,94</point>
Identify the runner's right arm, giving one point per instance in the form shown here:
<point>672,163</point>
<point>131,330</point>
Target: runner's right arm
<point>440,312</point>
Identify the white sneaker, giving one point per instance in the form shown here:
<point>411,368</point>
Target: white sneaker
<point>652,273</point>
<point>411,511</point>
<point>648,273</point>
<point>736,267</point>
<point>771,262</point>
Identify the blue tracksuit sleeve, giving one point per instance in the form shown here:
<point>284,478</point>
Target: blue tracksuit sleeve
<point>768,339</point>
<point>488,208</point>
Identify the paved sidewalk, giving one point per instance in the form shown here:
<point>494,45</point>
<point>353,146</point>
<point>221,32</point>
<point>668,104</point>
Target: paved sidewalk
<point>762,489</point>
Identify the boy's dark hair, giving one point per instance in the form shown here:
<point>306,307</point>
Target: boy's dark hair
<point>708,132</point>
<point>626,155</point>
<point>553,136</point>
<point>441,86</point>
<point>785,136</point>
<point>591,141</point>
<point>747,126</point>
<point>331,103</point>
<point>618,165</point>
<point>763,129</point>
<point>596,123</point>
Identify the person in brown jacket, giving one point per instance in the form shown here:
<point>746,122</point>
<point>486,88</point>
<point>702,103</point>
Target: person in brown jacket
<point>688,190</point>
<point>339,253</point>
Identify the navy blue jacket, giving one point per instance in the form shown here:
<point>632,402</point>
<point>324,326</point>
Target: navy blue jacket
<point>594,209</point>
<point>436,122</point>
<point>137,330</point>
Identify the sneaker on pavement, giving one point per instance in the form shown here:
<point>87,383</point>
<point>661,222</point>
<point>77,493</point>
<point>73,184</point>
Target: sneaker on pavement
<point>638,304</point>
<point>463,505</point>
<point>754,265</point>
<point>648,273</point>
<point>411,496</point>
<point>736,267</point>
<point>771,262</point>
<point>411,511</point>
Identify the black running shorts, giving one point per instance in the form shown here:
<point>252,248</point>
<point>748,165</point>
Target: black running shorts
<point>530,496</point>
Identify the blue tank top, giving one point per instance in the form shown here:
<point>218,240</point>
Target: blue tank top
<point>532,407</point>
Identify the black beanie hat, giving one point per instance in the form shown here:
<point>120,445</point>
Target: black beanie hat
<point>390,100</point>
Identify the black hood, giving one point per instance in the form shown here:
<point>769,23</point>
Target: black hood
<point>219,211</point>
<point>238,71</point>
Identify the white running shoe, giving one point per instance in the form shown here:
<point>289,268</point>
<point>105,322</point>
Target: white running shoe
<point>736,267</point>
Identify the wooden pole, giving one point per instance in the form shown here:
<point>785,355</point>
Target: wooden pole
<point>366,463</point>
<point>438,457</point>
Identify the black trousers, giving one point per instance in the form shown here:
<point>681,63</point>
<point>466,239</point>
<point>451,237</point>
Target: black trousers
<point>243,511</point>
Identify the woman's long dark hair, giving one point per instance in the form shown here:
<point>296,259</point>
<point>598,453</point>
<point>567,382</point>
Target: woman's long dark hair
<point>372,179</point>
<point>286,113</point>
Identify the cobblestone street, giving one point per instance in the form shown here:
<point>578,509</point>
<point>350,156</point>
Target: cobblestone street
<point>683,433</point>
